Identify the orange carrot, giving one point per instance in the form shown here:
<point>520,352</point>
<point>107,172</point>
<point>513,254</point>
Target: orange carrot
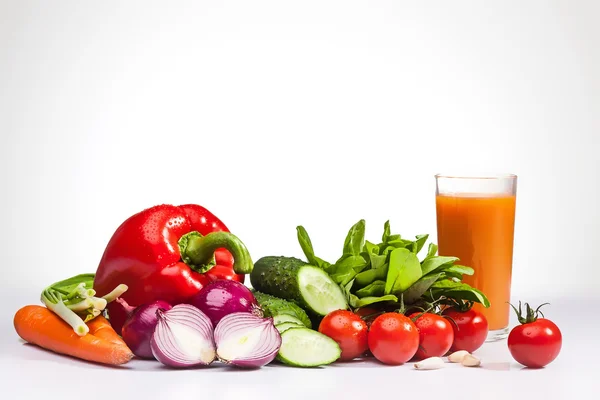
<point>101,328</point>
<point>40,326</point>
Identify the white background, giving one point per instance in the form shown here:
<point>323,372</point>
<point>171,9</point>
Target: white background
<point>276,114</point>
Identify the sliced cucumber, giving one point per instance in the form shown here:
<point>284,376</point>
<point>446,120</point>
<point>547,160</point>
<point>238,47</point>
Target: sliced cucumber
<point>281,318</point>
<point>293,279</point>
<point>302,347</point>
<point>320,293</point>
<point>284,326</point>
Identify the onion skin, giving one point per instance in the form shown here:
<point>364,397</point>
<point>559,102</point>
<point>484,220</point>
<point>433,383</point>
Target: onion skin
<point>170,349</point>
<point>223,297</point>
<point>139,328</point>
<point>263,353</point>
<point>118,313</point>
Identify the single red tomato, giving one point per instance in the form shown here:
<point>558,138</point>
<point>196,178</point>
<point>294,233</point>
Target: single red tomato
<point>536,342</point>
<point>393,338</point>
<point>470,328</point>
<point>435,335</point>
<point>366,311</point>
<point>348,330</point>
<point>368,314</point>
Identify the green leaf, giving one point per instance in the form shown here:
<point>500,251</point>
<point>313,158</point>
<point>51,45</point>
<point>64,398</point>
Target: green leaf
<point>392,238</point>
<point>371,252</point>
<point>386,231</point>
<point>404,270</point>
<point>68,285</point>
<point>371,275</point>
<point>350,298</point>
<point>431,251</point>
<point>377,261</point>
<point>453,271</point>
<point>355,238</point>
<point>401,243</point>
<point>460,269</point>
<point>307,249</point>
<point>365,301</point>
<point>417,289</point>
<point>433,263</point>
<point>387,250</point>
<point>421,239</point>
<point>450,275</point>
<point>348,286</point>
<point>370,248</point>
<point>458,291</point>
<point>346,268</point>
<point>374,289</point>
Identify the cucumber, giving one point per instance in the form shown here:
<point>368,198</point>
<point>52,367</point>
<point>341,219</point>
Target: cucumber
<point>275,307</point>
<point>282,318</point>
<point>292,279</point>
<point>284,326</point>
<point>301,347</point>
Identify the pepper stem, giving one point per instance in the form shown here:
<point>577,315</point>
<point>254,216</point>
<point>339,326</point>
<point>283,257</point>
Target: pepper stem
<point>197,251</point>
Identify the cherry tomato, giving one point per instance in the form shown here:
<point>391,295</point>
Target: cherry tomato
<point>470,329</point>
<point>536,342</point>
<point>365,311</point>
<point>435,335</point>
<point>368,314</point>
<point>393,338</point>
<point>348,330</point>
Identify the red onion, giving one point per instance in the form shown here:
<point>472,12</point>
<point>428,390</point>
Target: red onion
<point>246,340</point>
<point>183,337</point>
<point>139,327</point>
<point>118,312</point>
<point>223,297</point>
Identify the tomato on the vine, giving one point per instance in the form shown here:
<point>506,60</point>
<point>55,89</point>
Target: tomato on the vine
<point>536,342</point>
<point>393,338</point>
<point>435,334</point>
<point>470,328</point>
<point>348,330</point>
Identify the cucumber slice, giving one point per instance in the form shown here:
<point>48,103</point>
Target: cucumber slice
<point>302,347</point>
<point>320,293</point>
<point>281,318</point>
<point>284,326</point>
<point>292,279</point>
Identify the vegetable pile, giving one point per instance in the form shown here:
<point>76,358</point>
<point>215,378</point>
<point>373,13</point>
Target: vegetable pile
<point>383,273</point>
<point>170,287</point>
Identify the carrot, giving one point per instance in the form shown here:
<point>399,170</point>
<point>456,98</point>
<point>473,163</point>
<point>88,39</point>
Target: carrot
<point>40,326</point>
<point>101,328</point>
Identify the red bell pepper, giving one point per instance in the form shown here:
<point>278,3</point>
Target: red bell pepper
<point>168,253</point>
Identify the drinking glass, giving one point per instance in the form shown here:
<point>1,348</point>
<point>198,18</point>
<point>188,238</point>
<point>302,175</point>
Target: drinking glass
<point>475,222</point>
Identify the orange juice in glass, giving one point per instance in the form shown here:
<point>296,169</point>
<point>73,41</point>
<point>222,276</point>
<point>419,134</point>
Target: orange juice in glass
<point>475,222</point>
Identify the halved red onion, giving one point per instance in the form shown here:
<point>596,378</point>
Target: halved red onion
<point>246,340</point>
<point>183,337</point>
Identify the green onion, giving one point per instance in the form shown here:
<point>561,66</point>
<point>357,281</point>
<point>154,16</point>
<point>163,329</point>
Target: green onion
<point>74,300</point>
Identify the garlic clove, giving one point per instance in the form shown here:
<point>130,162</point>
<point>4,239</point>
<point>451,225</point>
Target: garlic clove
<point>430,363</point>
<point>471,361</point>
<point>457,356</point>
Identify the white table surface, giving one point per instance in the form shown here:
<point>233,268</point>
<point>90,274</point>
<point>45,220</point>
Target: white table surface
<point>28,371</point>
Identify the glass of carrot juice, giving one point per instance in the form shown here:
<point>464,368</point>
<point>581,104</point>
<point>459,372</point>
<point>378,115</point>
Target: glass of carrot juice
<point>475,222</point>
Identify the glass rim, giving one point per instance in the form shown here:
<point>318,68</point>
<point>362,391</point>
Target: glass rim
<point>499,176</point>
